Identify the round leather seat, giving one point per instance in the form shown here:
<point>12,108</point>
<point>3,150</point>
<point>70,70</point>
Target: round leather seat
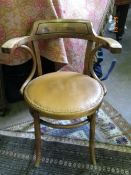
<point>64,95</point>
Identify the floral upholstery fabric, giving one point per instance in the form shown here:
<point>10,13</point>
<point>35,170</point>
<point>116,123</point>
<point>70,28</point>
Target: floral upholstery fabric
<point>17,17</point>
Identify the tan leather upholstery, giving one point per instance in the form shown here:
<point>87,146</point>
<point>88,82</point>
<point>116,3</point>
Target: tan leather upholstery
<point>64,95</point>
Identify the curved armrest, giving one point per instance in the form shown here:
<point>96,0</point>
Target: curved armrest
<point>13,43</point>
<point>109,43</point>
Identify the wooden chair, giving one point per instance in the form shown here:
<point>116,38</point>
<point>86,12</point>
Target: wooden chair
<point>63,95</point>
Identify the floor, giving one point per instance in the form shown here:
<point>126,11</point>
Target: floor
<point>118,84</point>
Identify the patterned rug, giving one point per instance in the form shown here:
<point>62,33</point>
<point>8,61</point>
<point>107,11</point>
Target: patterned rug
<point>111,128</point>
<point>17,158</point>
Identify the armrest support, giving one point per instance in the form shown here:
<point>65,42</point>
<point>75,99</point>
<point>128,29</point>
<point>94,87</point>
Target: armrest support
<point>109,43</point>
<point>10,45</point>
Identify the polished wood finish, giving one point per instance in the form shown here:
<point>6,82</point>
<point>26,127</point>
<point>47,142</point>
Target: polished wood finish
<point>37,137</point>
<point>63,28</point>
<point>92,139</point>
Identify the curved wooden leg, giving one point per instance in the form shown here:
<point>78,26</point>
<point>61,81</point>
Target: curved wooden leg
<point>92,120</point>
<point>37,137</point>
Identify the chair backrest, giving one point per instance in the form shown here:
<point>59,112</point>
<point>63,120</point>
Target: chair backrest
<point>61,28</point>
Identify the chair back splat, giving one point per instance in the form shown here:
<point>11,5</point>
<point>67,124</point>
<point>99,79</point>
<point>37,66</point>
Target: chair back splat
<point>63,95</point>
<point>80,29</point>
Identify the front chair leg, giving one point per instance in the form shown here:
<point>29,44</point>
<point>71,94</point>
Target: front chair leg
<point>37,138</point>
<point>92,120</point>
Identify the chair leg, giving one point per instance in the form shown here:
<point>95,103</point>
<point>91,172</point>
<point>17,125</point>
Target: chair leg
<point>37,138</point>
<point>92,139</point>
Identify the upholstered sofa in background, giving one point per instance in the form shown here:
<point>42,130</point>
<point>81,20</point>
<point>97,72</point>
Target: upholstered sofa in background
<point>17,17</point>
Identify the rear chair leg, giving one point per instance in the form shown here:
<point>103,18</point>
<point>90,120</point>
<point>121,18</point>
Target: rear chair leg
<point>92,139</point>
<point>37,138</point>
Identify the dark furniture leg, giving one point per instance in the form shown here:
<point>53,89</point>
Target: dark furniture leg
<point>121,13</point>
<point>2,94</point>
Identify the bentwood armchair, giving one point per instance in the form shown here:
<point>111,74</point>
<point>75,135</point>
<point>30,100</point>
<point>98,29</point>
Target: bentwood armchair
<point>63,95</point>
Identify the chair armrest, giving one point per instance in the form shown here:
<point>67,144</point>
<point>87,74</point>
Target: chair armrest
<point>10,45</point>
<point>109,43</point>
